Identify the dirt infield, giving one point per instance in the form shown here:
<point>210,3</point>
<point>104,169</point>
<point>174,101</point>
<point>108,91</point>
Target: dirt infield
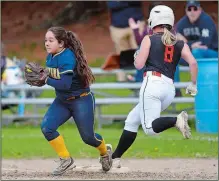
<point>132,169</point>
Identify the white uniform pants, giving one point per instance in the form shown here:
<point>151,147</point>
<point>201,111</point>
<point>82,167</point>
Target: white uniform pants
<point>156,94</point>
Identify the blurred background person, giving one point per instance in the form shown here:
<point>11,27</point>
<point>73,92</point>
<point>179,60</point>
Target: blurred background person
<point>120,32</point>
<point>139,35</point>
<point>197,29</point>
<point>11,74</point>
<point>3,61</point>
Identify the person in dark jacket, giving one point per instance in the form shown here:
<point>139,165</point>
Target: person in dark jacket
<point>197,29</point>
<point>120,32</point>
<point>135,26</point>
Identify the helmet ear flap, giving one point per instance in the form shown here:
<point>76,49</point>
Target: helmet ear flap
<point>149,23</point>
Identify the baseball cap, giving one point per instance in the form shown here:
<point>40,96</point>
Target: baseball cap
<point>193,3</point>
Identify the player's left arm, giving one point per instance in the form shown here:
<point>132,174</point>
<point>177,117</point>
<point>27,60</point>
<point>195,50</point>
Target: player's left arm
<point>142,56</point>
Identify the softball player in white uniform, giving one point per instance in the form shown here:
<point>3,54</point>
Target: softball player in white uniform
<point>160,54</point>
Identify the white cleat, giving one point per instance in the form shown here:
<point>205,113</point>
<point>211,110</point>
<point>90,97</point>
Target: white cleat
<point>109,147</point>
<point>182,124</point>
<point>116,163</point>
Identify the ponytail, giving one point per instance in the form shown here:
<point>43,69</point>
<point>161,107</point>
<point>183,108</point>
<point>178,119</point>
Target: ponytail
<point>168,38</point>
<point>84,71</point>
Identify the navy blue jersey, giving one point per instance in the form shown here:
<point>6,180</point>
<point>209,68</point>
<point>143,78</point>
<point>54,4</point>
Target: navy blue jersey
<point>161,58</point>
<point>203,30</point>
<point>63,64</point>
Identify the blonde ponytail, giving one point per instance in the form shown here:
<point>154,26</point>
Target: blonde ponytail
<point>168,38</point>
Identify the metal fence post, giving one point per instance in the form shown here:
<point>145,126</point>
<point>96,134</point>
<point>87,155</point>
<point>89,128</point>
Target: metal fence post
<point>21,106</point>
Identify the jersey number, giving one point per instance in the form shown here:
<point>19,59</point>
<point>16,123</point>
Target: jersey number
<point>168,54</point>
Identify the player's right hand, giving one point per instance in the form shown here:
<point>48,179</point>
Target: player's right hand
<point>192,89</point>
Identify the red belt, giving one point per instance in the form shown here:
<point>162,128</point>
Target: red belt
<point>158,74</point>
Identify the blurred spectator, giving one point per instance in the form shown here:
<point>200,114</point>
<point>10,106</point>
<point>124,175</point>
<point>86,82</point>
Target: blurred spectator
<point>121,34</point>
<point>11,74</point>
<point>135,26</point>
<point>3,61</point>
<point>197,29</point>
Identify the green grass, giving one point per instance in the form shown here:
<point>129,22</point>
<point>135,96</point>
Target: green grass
<point>113,109</point>
<point>98,62</point>
<point>28,142</point>
<point>19,141</point>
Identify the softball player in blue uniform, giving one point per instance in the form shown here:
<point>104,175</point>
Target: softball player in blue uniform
<point>71,78</point>
<point>160,54</point>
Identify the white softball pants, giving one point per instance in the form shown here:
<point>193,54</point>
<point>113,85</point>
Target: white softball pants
<point>156,94</point>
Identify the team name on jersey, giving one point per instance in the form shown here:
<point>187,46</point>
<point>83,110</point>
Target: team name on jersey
<point>54,73</point>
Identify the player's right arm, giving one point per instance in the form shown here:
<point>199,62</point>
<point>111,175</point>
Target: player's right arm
<point>189,58</point>
<point>143,53</point>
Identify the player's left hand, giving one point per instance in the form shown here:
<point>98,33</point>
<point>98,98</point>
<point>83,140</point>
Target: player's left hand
<point>35,74</point>
<point>192,89</point>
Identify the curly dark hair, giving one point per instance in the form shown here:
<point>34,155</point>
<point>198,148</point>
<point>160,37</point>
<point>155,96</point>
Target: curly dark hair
<point>73,43</point>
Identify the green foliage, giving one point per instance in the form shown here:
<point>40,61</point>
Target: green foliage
<point>32,46</point>
<point>24,45</point>
<point>98,62</point>
<point>13,53</point>
<point>28,46</point>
